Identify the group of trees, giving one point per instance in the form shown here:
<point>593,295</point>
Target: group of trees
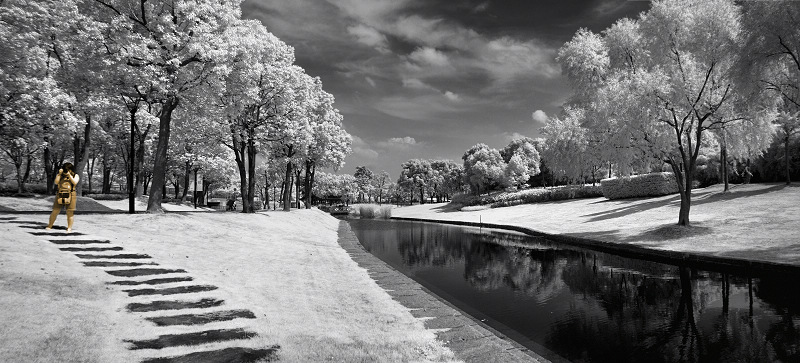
<point>683,81</point>
<point>157,91</point>
<point>487,169</point>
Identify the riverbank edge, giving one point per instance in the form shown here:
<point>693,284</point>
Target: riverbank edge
<point>688,259</point>
<point>470,339</point>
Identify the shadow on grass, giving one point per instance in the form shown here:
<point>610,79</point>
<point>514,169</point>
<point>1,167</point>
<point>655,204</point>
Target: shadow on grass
<point>666,232</point>
<point>699,197</point>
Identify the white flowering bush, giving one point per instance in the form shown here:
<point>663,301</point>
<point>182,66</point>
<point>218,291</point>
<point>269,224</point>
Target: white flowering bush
<point>647,185</point>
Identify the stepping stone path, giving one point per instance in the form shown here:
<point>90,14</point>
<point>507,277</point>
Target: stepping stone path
<point>82,248</point>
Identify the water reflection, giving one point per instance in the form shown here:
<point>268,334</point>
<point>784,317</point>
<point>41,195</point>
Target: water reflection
<point>594,307</point>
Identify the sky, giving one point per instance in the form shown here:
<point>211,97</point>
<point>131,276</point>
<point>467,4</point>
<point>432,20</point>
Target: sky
<point>430,78</point>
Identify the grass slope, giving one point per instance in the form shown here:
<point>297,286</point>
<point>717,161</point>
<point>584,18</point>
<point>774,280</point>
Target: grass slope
<point>754,221</point>
<point>306,292</point>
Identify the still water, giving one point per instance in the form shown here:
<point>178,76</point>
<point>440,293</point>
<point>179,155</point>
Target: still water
<point>564,302</point>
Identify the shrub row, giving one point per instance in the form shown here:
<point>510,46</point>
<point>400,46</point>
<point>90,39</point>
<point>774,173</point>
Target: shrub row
<point>537,195</point>
<point>107,196</point>
<point>647,185</point>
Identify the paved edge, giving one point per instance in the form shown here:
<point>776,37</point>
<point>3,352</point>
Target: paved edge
<point>468,338</point>
<point>701,261</point>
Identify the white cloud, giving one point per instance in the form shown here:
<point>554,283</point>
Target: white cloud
<point>429,56</point>
<point>418,108</point>
<point>452,96</point>
<point>370,81</point>
<point>399,143</point>
<point>508,137</point>
<point>415,83</point>
<point>539,116</point>
<point>369,36</point>
<point>481,7</point>
<point>362,149</point>
<point>403,140</point>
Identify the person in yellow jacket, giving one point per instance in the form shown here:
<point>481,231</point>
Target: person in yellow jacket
<point>66,172</point>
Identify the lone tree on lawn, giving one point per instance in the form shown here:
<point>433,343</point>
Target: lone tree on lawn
<point>661,82</point>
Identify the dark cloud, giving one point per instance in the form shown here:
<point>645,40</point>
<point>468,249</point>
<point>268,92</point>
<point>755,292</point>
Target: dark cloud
<point>444,74</point>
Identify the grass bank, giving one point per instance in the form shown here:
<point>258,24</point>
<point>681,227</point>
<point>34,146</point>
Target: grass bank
<point>306,293</point>
<point>754,221</point>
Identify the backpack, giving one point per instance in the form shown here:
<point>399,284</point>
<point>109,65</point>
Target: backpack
<point>64,195</point>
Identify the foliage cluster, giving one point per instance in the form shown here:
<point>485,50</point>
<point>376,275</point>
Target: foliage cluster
<point>527,196</point>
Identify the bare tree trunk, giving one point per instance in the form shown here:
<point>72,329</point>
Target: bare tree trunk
<point>251,171</point>
<point>187,171</point>
<point>723,155</point>
<point>160,158</point>
<point>287,190</point>
<point>786,157</point>
<point>82,152</point>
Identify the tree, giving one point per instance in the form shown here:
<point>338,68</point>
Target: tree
<point>663,99</point>
<point>330,143</point>
<point>382,183</point>
<point>484,169</point>
<point>522,161</point>
<point>364,178</point>
<point>788,125</point>
<point>415,174</point>
<point>172,47</point>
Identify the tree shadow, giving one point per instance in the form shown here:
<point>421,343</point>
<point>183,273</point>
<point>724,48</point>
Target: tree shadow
<point>631,207</point>
<point>667,232</point>
<point>448,208</point>
<point>699,197</point>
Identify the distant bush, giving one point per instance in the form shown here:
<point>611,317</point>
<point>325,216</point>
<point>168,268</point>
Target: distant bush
<point>10,189</point>
<point>647,185</point>
<point>371,211</point>
<point>107,196</point>
<point>536,195</point>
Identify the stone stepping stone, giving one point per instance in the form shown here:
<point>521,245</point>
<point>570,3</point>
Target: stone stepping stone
<point>119,256</point>
<point>174,340</point>
<point>90,249</point>
<point>152,281</point>
<point>77,241</point>
<point>173,305</point>
<point>197,319</point>
<point>229,355</point>
<point>57,234</point>
<point>143,272</point>
<point>116,264</point>
<point>171,290</point>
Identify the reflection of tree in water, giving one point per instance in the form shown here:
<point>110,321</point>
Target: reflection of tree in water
<point>655,319</point>
<point>534,272</point>
<point>423,246</point>
<point>784,335</point>
<point>623,309</point>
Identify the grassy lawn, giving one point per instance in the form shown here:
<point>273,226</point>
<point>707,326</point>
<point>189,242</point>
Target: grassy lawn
<point>755,221</point>
<point>307,294</point>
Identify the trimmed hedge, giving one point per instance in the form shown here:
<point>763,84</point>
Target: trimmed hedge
<point>646,185</point>
<point>527,196</point>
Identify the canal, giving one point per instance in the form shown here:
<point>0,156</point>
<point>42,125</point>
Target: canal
<point>579,305</point>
